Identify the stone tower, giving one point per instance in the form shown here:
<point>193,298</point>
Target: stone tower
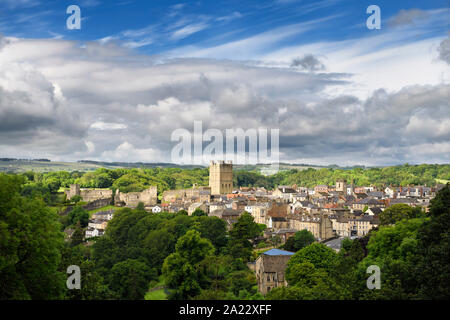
<point>73,191</point>
<point>221,177</point>
<point>341,186</point>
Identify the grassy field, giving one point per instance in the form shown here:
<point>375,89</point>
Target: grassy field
<point>106,208</point>
<point>156,295</point>
<point>157,290</point>
<point>442,181</point>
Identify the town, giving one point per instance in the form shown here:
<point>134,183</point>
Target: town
<point>329,213</point>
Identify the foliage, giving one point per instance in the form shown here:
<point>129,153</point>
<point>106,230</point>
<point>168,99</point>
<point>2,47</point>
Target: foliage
<point>130,278</point>
<point>300,240</point>
<point>244,230</point>
<point>318,254</point>
<point>181,269</point>
<point>30,245</point>
<point>398,212</point>
<point>433,269</point>
<point>79,215</point>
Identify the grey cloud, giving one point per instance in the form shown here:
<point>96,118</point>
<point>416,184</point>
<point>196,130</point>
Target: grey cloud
<point>444,49</point>
<point>32,109</point>
<point>407,17</point>
<point>308,62</point>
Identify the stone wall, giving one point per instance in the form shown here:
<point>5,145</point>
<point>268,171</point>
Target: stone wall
<point>148,197</point>
<point>197,194</point>
<point>88,195</point>
<point>100,203</point>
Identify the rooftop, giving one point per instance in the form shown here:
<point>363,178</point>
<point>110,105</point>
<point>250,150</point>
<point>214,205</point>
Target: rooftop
<point>278,252</point>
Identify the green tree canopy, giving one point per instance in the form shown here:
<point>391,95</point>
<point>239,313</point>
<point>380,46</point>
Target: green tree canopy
<point>30,245</point>
<point>398,212</point>
<point>300,240</point>
<point>130,279</point>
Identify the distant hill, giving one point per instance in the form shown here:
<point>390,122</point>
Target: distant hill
<point>13,165</point>
<point>10,165</point>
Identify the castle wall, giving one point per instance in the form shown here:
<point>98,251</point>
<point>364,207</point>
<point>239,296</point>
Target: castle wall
<point>148,197</point>
<point>88,195</point>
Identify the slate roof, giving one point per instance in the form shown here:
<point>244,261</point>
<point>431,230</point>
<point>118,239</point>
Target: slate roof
<point>278,252</point>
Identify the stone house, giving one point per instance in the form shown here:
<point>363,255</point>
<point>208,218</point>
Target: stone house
<point>198,205</point>
<point>367,202</point>
<point>93,232</point>
<point>269,269</point>
<point>259,213</point>
<point>103,215</point>
<point>277,223</point>
<point>320,226</point>
<point>230,216</point>
<point>360,226</point>
<point>320,189</point>
<point>98,224</point>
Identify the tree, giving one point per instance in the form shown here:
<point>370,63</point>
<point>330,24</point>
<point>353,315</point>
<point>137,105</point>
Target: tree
<point>76,199</point>
<point>79,215</point>
<point>140,206</point>
<point>181,269</point>
<point>394,249</point>
<point>77,236</point>
<point>130,279</point>
<point>158,245</point>
<point>30,245</point>
<point>300,240</point>
<point>214,229</point>
<point>398,212</point>
<point>198,213</point>
<point>434,249</point>
<point>318,254</point>
<point>243,230</point>
<point>93,286</point>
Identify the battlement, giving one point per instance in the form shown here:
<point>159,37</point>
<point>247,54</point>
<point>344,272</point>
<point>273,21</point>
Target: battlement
<point>220,162</point>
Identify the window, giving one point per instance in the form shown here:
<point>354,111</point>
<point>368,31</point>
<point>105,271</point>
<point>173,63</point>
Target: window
<point>268,289</point>
<point>268,278</point>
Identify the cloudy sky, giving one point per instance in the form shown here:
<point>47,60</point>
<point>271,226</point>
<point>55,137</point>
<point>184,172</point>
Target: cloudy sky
<point>116,89</point>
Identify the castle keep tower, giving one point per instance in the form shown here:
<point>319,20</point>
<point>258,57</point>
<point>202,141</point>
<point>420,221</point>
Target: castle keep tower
<point>341,186</point>
<point>220,177</point>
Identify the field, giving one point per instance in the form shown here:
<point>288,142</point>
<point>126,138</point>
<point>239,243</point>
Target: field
<point>157,291</point>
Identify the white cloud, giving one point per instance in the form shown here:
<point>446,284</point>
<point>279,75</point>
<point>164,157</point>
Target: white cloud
<point>188,30</point>
<point>104,102</point>
<point>100,125</point>
<point>126,152</point>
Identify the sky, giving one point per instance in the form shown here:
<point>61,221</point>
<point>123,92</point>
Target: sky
<point>136,71</point>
